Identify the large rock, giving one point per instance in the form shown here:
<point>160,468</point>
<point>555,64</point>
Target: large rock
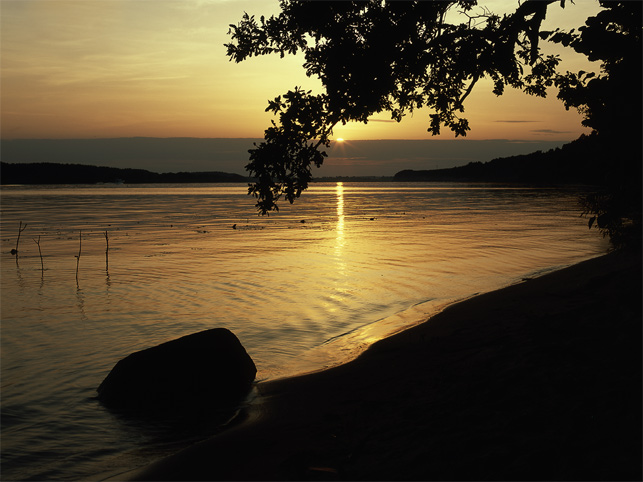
<point>209,369</point>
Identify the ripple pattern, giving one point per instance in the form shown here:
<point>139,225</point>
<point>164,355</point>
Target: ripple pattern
<point>302,289</point>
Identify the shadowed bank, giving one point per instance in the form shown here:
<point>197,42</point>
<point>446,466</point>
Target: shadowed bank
<point>540,380</point>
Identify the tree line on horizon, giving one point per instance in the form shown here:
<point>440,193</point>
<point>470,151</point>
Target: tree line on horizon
<point>578,162</point>
<point>56,173</point>
<point>582,161</point>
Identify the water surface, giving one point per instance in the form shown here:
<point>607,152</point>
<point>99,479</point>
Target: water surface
<point>302,289</point>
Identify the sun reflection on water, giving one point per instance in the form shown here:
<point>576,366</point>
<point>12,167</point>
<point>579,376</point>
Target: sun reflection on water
<point>340,217</point>
<point>341,269</point>
<point>340,240</point>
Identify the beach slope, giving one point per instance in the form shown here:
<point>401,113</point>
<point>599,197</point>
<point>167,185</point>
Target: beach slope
<point>537,381</point>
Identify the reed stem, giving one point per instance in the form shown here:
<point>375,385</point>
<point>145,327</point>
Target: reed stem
<point>80,247</point>
<point>106,251</point>
<point>21,228</point>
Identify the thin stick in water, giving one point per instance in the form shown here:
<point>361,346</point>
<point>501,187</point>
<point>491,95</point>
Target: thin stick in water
<point>21,228</point>
<point>80,247</point>
<point>106,251</point>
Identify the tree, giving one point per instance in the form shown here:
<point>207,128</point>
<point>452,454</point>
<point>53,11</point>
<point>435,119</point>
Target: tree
<point>611,105</point>
<point>374,56</point>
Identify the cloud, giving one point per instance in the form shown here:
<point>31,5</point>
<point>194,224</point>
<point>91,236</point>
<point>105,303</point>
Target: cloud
<point>549,131</point>
<point>516,121</point>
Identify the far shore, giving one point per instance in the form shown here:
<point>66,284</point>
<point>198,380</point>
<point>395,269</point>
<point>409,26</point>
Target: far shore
<point>537,381</point>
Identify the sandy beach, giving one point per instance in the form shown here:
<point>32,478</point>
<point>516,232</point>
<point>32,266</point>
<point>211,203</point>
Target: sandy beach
<point>537,381</point>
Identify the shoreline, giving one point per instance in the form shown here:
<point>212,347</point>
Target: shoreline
<point>537,380</point>
<point>358,340</point>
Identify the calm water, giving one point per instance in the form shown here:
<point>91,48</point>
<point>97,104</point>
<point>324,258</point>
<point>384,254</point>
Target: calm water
<point>303,289</point>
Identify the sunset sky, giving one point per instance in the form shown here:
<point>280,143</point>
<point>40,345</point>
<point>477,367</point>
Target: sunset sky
<point>157,68</point>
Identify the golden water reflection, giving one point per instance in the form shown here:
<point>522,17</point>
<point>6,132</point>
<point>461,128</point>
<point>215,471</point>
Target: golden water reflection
<point>340,239</point>
<point>339,244</point>
<point>341,269</point>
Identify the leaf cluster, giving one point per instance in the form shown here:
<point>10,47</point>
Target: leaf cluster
<point>282,164</point>
<point>375,56</point>
<point>615,215</point>
<point>610,103</point>
<point>613,38</point>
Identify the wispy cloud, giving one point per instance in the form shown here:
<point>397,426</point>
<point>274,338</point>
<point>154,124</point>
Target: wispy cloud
<point>549,131</point>
<point>516,121</point>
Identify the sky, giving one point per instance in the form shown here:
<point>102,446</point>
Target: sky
<point>89,69</point>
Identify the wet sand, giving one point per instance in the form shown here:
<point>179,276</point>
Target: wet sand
<point>537,381</point>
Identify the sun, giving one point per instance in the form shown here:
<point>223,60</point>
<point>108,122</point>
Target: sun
<point>339,139</point>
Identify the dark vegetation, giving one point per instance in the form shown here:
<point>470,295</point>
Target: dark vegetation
<point>53,173</point>
<point>398,57</point>
<point>583,161</point>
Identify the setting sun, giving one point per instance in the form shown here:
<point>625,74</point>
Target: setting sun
<point>339,139</point>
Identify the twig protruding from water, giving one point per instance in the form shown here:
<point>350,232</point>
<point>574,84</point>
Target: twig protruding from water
<point>21,228</point>
<point>106,251</point>
<point>80,247</point>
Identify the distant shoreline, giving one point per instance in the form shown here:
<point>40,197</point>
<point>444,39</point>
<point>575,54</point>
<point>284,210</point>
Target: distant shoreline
<point>584,161</point>
<point>48,173</point>
<point>45,173</point>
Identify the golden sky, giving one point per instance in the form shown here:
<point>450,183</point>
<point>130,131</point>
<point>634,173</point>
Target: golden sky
<point>157,68</point>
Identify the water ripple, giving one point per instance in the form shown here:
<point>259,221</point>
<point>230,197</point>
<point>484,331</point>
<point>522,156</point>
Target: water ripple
<point>367,260</point>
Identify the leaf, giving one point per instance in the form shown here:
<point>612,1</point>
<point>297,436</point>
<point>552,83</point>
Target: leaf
<point>602,221</point>
<point>591,221</point>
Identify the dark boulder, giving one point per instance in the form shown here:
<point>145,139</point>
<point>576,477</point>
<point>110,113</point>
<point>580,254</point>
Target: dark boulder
<point>209,369</point>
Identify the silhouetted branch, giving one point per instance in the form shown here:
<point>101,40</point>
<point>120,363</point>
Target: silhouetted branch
<point>466,94</point>
<point>476,20</point>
